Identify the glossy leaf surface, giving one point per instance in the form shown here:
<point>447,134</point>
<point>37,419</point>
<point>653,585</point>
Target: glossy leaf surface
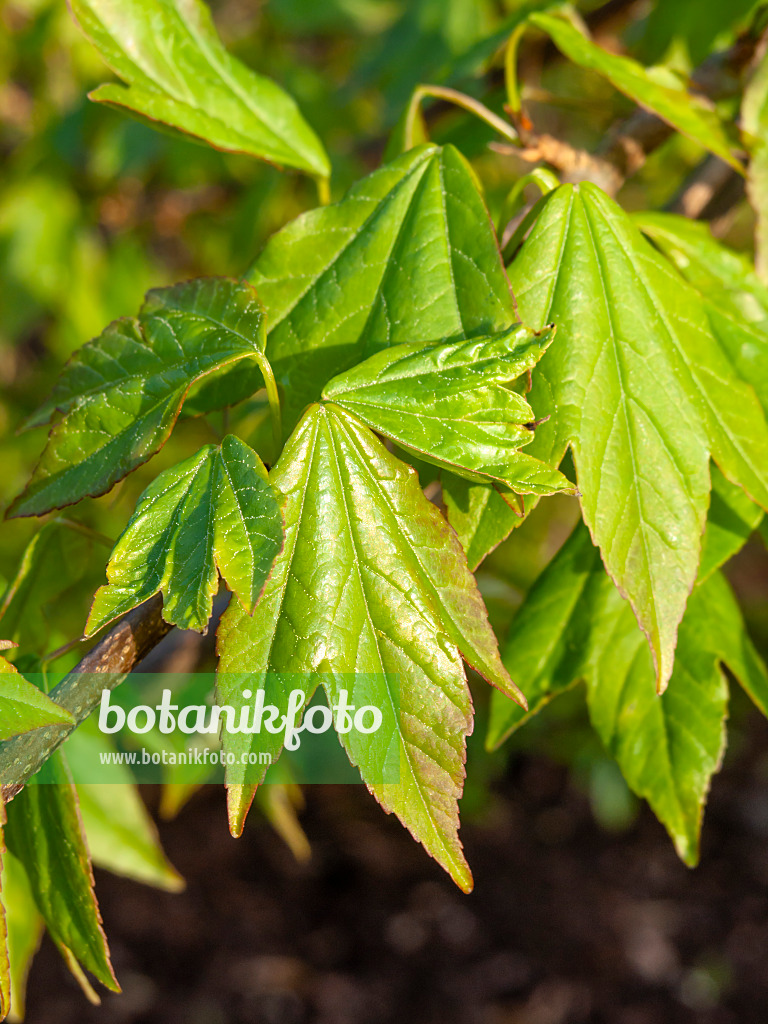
<point>178,73</point>
<point>447,403</point>
<point>23,706</point>
<point>372,589</point>
<point>408,255</point>
<point>643,392</point>
<point>214,512</point>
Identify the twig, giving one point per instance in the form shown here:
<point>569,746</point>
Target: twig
<point>105,666</point>
<point>627,148</point>
<point>709,191</point>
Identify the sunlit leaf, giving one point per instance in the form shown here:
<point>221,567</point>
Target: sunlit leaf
<point>371,589</point>
<point>448,405</point>
<point>408,255</point>
<point>214,512</point>
<point>23,706</point>
<point>641,389</point>
<point>178,73</point>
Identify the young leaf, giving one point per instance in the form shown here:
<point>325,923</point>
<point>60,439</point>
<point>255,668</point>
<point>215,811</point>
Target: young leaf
<point>372,587</point>
<point>642,392</point>
<point>24,926</point>
<point>574,625</point>
<point>213,511</point>
<point>178,73</point>
<point>448,405</point>
<point>409,254</point>
<point>121,393</point>
<point>686,113</point>
<point>45,833</point>
<point>23,707</point>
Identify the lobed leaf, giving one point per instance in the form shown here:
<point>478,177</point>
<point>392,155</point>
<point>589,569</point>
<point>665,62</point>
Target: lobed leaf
<point>448,405</point>
<point>45,833</point>
<point>574,625</point>
<point>639,387</point>
<point>121,394</point>
<point>23,707</point>
<point>215,511</point>
<point>178,73</point>
<point>371,593</point>
<point>409,253</point>
<point>688,114</point>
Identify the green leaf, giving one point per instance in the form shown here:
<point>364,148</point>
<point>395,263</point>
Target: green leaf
<point>480,515</point>
<point>754,122</point>
<point>23,706</point>
<point>371,588</point>
<point>54,559</point>
<point>640,388</point>
<point>24,926</point>
<point>731,521</point>
<point>667,747</point>
<point>448,405</point>
<point>45,833</point>
<point>215,511</point>
<point>120,833</point>
<point>574,625</point>
<point>711,267</point>
<point>409,255</point>
<point>178,73</point>
<point>121,393</point>
<point>548,642</point>
<point>688,114</point>
<point>733,297</point>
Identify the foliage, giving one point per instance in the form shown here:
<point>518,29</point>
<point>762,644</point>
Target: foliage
<point>392,396</point>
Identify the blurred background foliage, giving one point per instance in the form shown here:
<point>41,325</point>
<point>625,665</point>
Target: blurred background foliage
<point>95,208</point>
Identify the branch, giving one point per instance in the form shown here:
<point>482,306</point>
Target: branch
<point>105,666</point>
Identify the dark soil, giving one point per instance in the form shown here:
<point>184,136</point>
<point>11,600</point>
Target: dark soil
<point>567,924</point>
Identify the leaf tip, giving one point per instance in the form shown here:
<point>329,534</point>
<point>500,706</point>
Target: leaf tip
<point>239,800</point>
